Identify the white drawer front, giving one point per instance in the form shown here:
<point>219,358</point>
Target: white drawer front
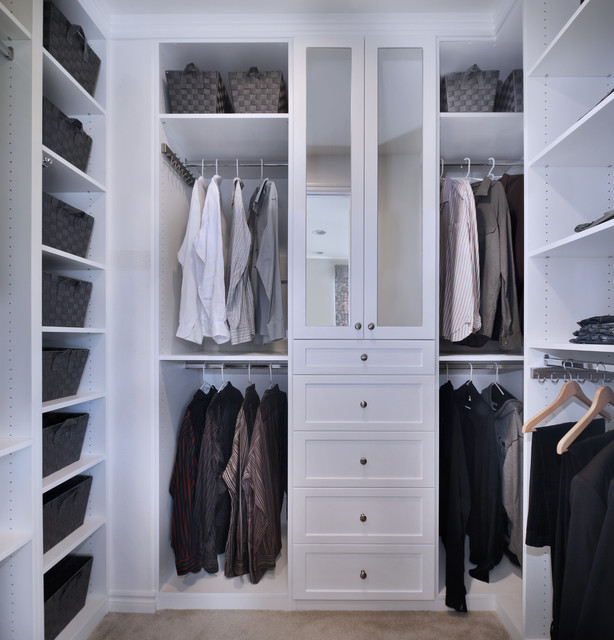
<point>391,403</point>
<point>400,459</point>
<point>400,357</point>
<point>357,572</point>
<point>376,516</point>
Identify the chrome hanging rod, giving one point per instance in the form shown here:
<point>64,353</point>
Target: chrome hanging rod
<point>6,51</point>
<point>177,165</point>
<point>233,163</point>
<point>556,368</point>
<point>235,365</point>
<point>477,365</point>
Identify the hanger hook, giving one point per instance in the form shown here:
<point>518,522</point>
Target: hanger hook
<point>216,167</point>
<point>249,372</point>
<point>204,369</point>
<point>202,168</point>
<point>470,371</point>
<point>496,372</point>
<point>237,163</point>
<point>492,167</point>
<point>604,370</point>
<point>270,372</point>
<point>261,169</point>
<point>222,373</point>
<point>442,167</point>
<point>468,161</point>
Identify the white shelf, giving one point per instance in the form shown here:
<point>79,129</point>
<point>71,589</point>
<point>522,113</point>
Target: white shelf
<point>584,47</point>
<point>485,357</point>
<point>71,542</point>
<point>592,243</point>
<point>12,542</point>
<point>274,358</point>
<point>11,445</point>
<point>74,330</point>
<point>63,177</point>
<point>70,401</point>
<point>572,346</point>
<point>588,143</point>
<point>480,136</point>
<point>65,92</point>
<point>228,136</point>
<point>10,27</point>
<point>56,259</point>
<point>84,463</point>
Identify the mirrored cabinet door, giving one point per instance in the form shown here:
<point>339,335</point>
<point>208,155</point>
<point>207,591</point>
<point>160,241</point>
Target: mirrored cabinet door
<point>398,237</point>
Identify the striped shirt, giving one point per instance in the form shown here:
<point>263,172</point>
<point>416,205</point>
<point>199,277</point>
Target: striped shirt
<point>460,261</point>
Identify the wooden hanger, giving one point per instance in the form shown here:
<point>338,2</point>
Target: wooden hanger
<point>571,389</point>
<point>603,397</point>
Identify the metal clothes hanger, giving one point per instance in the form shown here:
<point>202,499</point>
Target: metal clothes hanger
<point>468,177</point>
<point>603,397</point>
<point>205,386</point>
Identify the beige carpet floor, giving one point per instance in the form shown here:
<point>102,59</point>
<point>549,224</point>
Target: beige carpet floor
<point>300,625</point>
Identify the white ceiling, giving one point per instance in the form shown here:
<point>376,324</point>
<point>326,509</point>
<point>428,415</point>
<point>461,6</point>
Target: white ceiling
<point>483,8</point>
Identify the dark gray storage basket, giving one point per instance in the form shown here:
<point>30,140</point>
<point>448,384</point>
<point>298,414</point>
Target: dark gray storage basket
<point>510,93</point>
<point>62,371</point>
<point>470,90</point>
<point>64,509</point>
<point>65,586</point>
<point>67,43</point>
<point>65,136</point>
<point>196,91</point>
<point>257,91</point>
<point>63,436</point>
<point>66,228</point>
<point>65,300</point>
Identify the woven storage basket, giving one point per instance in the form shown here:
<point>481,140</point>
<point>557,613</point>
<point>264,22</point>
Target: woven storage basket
<point>62,371</point>
<point>65,300</point>
<point>67,43</point>
<point>66,228</point>
<point>510,93</point>
<point>65,586</point>
<point>63,435</point>
<point>470,90</point>
<point>64,509</point>
<point>196,91</point>
<point>257,91</point>
<point>65,136</point>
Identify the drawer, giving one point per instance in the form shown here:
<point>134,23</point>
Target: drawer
<point>334,459</point>
<point>364,572</point>
<point>386,403</point>
<point>399,357</point>
<point>364,516</point>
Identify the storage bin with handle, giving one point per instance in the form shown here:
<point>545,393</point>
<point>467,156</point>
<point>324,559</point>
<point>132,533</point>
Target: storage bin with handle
<point>65,136</point>
<point>62,371</point>
<point>196,91</point>
<point>66,228</point>
<point>469,90</point>
<point>63,436</point>
<point>256,91</point>
<point>65,300</point>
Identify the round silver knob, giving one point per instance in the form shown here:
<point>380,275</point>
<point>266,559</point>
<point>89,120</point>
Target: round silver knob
<point>363,574</point>
<point>371,326</point>
<point>363,403</point>
<point>363,517</point>
<point>358,326</point>
<point>363,461</point>
<point>363,357</point>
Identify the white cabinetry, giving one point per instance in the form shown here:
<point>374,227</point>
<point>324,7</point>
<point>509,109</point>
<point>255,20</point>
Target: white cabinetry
<point>570,153</point>
<point>363,407</point>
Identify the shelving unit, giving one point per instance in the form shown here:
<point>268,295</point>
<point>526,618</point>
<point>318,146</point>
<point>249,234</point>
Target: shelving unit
<point>568,70</point>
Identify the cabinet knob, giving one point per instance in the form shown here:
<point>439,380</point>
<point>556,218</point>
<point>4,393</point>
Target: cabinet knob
<point>364,357</point>
<point>363,517</point>
<point>358,326</point>
<point>363,574</point>
<point>363,403</point>
<point>363,461</point>
<point>371,326</point>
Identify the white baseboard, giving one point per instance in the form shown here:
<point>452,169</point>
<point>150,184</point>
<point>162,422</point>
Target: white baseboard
<point>133,601</point>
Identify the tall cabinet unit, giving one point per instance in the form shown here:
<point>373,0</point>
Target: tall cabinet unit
<point>363,352</point>
<point>17,434</point>
<point>253,146</point>
<point>85,189</point>
<point>569,63</point>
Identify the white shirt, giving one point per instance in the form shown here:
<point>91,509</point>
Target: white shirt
<point>460,261</point>
<point>209,262</point>
<point>240,299</point>
<point>189,305</point>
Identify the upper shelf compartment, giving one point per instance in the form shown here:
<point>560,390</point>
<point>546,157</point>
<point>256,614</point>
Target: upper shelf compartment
<point>584,47</point>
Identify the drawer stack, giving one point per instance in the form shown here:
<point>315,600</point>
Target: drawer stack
<point>364,470</point>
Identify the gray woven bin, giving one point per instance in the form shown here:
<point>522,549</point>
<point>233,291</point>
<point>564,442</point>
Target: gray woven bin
<point>66,228</point>
<point>64,509</point>
<point>67,43</point>
<point>257,91</point>
<point>65,300</point>
<point>62,371</point>
<point>196,91</point>
<point>65,592</point>
<point>472,90</point>
<point>65,136</point>
<point>510,93</point>
<point>63,436</point>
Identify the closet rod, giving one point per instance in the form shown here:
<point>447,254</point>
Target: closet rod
<point>176,164</point>
<point>235,365</point>
<point>233,163</point>
<point>6,51</point>
<point>462,163</point>
<point>484,365</point>
<point>570,363</point>
<point>556,369</point>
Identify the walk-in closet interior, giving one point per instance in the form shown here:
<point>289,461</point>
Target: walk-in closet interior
<point>245,341</point>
